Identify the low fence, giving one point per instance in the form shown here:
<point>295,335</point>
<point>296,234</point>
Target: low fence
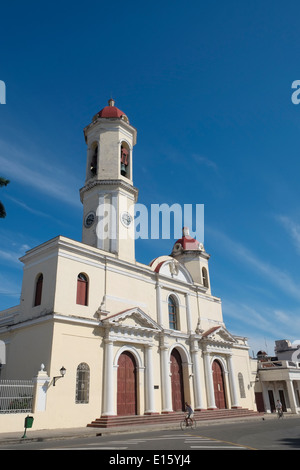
<point>16,396</point>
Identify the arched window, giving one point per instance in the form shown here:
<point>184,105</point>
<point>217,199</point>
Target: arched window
<point>82,289</point>
<point>94,160</point>
<point>38,290</point>
<point>125,163</point>
<point>241,385</point>
<point>82,383</point>
<point>204,277</point>
<point>173,315</point>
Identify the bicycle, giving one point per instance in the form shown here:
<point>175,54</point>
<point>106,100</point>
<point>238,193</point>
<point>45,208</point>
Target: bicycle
<point>188,423</point>
<point>280,413</point>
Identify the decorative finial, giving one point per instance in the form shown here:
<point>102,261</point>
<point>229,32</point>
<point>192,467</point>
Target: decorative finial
<point>111,102</point>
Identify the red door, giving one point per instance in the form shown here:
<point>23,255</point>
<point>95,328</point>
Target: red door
<point>219,385</point>
<point>259,402</point>
<point>126,395</point>
<point>177,381</point>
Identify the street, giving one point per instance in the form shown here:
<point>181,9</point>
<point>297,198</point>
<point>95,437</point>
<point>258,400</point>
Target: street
<point>268,434</point>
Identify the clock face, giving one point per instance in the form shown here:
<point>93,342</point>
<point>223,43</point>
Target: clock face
<point>89,220</point>
<point>126,219</point>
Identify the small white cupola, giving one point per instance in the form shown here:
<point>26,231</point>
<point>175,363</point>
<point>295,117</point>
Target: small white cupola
<point>192,255</point>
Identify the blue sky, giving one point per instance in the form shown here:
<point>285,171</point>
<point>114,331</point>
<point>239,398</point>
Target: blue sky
<point>208,87</point>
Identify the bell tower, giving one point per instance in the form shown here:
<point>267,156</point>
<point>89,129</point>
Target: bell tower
<point>108,196</point>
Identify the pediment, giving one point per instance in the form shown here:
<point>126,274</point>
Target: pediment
<point>218,334</point>
<point>132,318</point>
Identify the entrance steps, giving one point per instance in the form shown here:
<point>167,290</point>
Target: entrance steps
<point>169,418</point>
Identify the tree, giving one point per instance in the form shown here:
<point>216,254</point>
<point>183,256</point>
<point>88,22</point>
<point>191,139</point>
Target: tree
<point>3,182</point>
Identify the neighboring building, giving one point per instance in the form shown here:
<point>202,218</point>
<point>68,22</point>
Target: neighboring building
<point>134,339</point>
<point>278,378</point>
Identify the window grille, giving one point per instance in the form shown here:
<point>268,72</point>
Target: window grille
<point>172,313</point>
<point>82,383</point>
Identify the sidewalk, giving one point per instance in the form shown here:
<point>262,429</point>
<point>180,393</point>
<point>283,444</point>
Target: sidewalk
<point>73,433</point>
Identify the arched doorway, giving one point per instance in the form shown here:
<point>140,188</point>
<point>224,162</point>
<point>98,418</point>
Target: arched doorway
<point>177,381</point>
<point>219,388</point>
<point>127,390</point>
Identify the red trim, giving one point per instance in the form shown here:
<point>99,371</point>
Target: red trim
<point>211,330</point>
<point>159,266</point>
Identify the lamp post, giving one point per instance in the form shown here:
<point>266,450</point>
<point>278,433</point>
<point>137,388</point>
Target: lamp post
<point>62,374</point>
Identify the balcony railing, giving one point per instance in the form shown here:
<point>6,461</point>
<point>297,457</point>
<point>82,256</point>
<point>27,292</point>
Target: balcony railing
<point>279,365</point>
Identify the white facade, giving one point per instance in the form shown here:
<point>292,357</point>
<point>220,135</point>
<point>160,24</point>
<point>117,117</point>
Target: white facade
<point>134,339</point>
<point>278,378</point>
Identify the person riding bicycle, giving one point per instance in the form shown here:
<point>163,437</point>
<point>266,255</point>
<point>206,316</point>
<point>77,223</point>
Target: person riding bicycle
<point>279,408</point>
<point>189,410</point>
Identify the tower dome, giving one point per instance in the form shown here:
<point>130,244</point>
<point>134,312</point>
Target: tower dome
<point>111,112</point>
<point>186,243</point>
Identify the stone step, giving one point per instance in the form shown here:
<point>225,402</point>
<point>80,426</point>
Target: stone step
<point>136,420</point>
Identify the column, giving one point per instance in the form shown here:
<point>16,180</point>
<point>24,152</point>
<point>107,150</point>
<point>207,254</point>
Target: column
<point>108,382</point>
<point>211,404</point>
<point>196,379</point>
<point>165,380</point>
<point>158,304</point>
<point>266,400</point>
<point>291,394</point>
<point>232,382</point>
<point>188,313</point>
<point>149,408</point>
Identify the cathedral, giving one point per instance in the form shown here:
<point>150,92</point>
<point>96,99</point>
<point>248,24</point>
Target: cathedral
<point>104,335</point>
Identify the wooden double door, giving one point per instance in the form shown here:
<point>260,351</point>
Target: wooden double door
<point>177,381</point>
<point>219,389</point>
<point>127,385</point>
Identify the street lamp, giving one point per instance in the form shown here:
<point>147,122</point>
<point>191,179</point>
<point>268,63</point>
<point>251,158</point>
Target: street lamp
<point>62,374</point>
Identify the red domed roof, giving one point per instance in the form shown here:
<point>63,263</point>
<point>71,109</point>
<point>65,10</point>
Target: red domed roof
<point>111,111</point>
<point>187,242</point>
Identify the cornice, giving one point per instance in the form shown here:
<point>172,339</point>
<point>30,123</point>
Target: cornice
<point>118,183</point>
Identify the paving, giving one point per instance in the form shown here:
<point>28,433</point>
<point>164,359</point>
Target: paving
<point>73,433</point>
